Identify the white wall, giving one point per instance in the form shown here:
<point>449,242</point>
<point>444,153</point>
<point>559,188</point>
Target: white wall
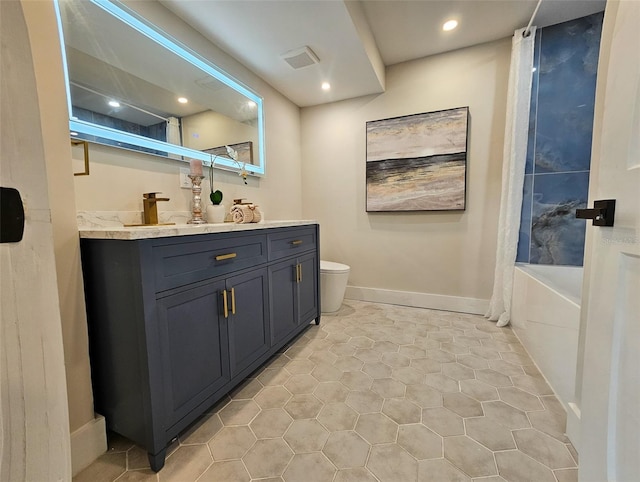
<point>49,75</point>
<point>451,254</point>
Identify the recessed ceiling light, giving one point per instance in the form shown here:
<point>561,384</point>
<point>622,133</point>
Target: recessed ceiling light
<point>449,25</point>
<point>251,104</point>
<point>326,86</point>
<point>74,133</point>
<point>183,100</point>
<point>114,103</point>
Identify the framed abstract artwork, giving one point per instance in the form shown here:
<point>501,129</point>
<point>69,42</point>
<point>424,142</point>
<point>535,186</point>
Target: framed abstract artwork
<point>418,162</point>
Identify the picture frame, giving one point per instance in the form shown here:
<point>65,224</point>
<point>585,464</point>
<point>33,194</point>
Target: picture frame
<point>417,162</point>
<point>244,150</point>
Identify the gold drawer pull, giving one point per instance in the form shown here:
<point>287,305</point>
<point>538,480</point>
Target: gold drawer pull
<point>224,303</point>
<point>296,242</point>
<point>221,257</point>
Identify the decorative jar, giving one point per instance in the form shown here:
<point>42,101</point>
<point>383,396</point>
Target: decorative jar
<point>216,213</point>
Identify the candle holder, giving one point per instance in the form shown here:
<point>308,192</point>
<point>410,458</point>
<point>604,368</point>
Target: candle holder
<point>196,208</point>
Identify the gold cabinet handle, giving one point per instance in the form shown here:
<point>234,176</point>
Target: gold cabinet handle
<point>221,257</point>
<point>300,272</point>
<point>233,301</point>
<point>296,242</point>
<point>224,303</point>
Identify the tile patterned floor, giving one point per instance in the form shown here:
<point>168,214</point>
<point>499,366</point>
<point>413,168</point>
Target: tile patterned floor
<point>375,393</point>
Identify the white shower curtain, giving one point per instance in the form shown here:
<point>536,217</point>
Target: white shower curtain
<point>173,133</point>
<point>513,165</point>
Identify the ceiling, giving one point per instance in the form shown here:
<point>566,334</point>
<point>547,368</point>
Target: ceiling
<point>355,40</point>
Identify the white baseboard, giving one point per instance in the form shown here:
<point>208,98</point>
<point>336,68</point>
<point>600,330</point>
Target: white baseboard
<point>573,425</point>
<point>418,300</point>
<point>88,443</point>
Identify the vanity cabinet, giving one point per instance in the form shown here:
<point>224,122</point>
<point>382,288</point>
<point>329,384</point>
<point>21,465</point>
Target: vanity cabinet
<point>193,350</point>
<point>295,299</point>
<point>176,322</point>
<point>208,335</point>
<point>247,326</point>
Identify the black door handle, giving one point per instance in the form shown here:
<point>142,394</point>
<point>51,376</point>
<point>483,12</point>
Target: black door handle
<point>602,213</point>
<point>11,215</point>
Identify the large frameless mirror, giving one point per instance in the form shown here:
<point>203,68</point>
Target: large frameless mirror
<point>130,85</point>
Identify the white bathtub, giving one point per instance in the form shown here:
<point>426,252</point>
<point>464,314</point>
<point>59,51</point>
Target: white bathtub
<point>545,315</point>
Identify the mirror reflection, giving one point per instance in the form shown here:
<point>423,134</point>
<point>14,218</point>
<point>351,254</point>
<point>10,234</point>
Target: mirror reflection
<point>132,86</point>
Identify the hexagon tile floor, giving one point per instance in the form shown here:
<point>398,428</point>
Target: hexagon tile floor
<point>375,393</point>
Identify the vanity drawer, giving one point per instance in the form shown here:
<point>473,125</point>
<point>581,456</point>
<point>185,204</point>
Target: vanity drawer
<point>291,242</point>
<point>181,263</point>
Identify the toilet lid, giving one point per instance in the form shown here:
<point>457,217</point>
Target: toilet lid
<point>331,267</point>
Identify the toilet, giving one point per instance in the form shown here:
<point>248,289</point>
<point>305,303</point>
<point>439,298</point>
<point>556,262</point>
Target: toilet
<point>333,283</point>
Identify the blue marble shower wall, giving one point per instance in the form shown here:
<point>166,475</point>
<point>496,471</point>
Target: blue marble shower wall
<point>559,148</point>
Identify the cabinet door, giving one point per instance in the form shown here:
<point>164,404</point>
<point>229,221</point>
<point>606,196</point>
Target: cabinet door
<point>307,288</point>
<point>283,299</point>
<point>193,346</point>
<point>247,305</point>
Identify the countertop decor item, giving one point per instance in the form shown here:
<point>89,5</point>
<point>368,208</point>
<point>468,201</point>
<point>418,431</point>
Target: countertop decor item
<point>216,211</point>
<point>215,196</point>
<point>196,167</point>
<point>233,154</point>
<point>196,206</point>
<point>240,154</point>
<point>246,213</point>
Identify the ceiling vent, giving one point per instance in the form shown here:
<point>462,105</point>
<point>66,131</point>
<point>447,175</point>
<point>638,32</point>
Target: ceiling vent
<point>301,57</point>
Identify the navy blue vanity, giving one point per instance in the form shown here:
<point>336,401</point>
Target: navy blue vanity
<point>176,321</point>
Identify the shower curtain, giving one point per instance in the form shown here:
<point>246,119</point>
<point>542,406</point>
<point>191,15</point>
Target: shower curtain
<point>173,133</point>
<point>513,165</point>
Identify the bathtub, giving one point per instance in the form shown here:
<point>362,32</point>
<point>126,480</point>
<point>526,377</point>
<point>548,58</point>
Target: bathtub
<point>545,315</point>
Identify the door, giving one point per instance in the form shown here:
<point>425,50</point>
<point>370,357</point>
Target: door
<point>193,343</point>
<point>34,416</point>
<point>247,319</point>
<point>609,445</point>
<point>283,292</point>
<point>307,288</point>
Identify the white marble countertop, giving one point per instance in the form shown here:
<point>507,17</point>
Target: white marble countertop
<point>146,232</point>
